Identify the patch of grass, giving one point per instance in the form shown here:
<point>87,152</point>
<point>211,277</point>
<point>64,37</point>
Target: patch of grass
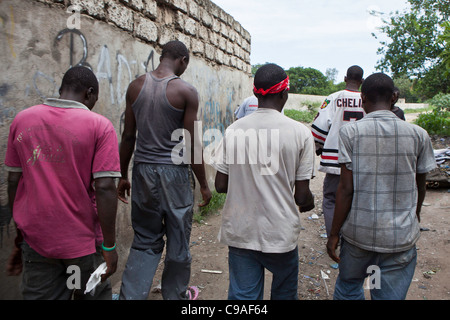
<point>306,116</point>
<point>216,203</point>
<point>419,110</point>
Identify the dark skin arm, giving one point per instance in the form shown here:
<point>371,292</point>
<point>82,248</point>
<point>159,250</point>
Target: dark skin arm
<point>303,196</point>
<point>421,190</point>
<point>128,139</point>
<point>14,265</point>
<point>106,197</point>
<point>221,182</point>
<point>190,117</point>
<point>344,197</point>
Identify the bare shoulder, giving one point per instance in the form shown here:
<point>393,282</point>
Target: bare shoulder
<point>135,86</point>
<point>182,88</point>
<point>137,83</point>
<point>183,85</point>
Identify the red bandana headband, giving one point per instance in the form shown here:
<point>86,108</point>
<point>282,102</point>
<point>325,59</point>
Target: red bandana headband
<point>279,87</point>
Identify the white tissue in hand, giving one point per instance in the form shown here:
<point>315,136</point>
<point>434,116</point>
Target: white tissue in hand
<point>95,278</point>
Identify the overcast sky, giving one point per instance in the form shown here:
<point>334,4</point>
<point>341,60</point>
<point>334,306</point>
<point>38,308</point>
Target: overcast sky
<point>316,33</point>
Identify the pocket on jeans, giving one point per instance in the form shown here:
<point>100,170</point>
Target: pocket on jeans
<point>404,258</point>
<point>29,255</point>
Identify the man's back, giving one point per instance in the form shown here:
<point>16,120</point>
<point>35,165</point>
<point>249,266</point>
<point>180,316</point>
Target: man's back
<point>156,120</point>
<point>59,146</point>
<point>384,154</point>
<point>338,109</point>
<point>264,154</point>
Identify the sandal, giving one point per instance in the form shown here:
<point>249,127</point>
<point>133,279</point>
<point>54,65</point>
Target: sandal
<point>194,290</point>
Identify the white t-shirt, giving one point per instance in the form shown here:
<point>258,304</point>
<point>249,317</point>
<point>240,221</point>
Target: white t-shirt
<point>263,155</point>
<point>248,106</point>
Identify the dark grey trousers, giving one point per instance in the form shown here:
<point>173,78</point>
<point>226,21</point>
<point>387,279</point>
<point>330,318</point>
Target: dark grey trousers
<point>48,279</point>
<point>330,185</point>
<point>162,205</point>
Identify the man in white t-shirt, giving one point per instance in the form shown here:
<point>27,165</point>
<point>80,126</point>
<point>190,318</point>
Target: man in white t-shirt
<point>338,109</point>
<point>264,163</point>
<point>248,106</point>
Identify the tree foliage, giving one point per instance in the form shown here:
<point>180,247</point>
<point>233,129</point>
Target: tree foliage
<point>445,39</point>
<point>415,46</point>
<point>312,81</point>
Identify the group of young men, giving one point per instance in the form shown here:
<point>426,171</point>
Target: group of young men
<point>63,160</point>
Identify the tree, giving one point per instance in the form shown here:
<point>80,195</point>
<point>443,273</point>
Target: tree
<point>445,38</point>
<point>307,80</point>
<point>414,49</point>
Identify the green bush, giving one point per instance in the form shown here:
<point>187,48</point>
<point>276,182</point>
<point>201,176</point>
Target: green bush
<point>438,121</point>
<point>435,122</point>
<point>441,101</point>
<point>216,203</point>
<point>306,116</point>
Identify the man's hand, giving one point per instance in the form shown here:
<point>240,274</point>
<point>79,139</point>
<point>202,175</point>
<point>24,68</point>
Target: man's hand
<point>332,246</point>
<point>206,195</point>
<point>14,265</point>
<point>123,190</point>
<point>111,258</point>
<point>309,206</point>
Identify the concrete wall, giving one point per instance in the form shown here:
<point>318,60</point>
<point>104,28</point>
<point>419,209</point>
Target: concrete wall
<point>118,40</point>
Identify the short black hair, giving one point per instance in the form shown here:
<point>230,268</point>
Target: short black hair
<point>79,78</point>
<point>355,73</point>
<point>378,87</point>
<point>269,75</point>
<point>175,49</point>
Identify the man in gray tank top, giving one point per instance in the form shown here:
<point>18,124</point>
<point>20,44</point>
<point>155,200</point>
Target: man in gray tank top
<point>162,199</point>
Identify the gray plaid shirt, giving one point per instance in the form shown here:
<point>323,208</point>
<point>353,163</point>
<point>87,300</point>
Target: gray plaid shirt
<point>384,154</point>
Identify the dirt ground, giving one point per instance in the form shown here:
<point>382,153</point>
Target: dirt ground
<point>431,280</point>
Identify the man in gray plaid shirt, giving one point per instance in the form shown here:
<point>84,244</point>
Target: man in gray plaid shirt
<point>384,162</point>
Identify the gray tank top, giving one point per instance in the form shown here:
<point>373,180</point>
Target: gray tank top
<point>156,119</point>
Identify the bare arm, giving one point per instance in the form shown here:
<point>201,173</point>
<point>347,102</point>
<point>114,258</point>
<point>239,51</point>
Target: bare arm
<point>198,167</point>
<point>221,182</point>
<point>14,265</point>
<point>128,140</point>
<point>421,190</point>
<point>105,194</point>
<point>344,197</point>
<point>303,196</point>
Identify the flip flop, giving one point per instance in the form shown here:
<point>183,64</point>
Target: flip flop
<point>193,289</point>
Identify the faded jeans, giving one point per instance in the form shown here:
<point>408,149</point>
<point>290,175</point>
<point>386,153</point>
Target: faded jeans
<point>247,274</point>
<point>396,271</point>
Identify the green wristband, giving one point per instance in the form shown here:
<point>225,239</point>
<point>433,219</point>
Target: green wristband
<point>108,249</point>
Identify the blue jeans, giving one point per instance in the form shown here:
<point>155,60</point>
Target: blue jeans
<point>391,281</point>
<point>247,274</point>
